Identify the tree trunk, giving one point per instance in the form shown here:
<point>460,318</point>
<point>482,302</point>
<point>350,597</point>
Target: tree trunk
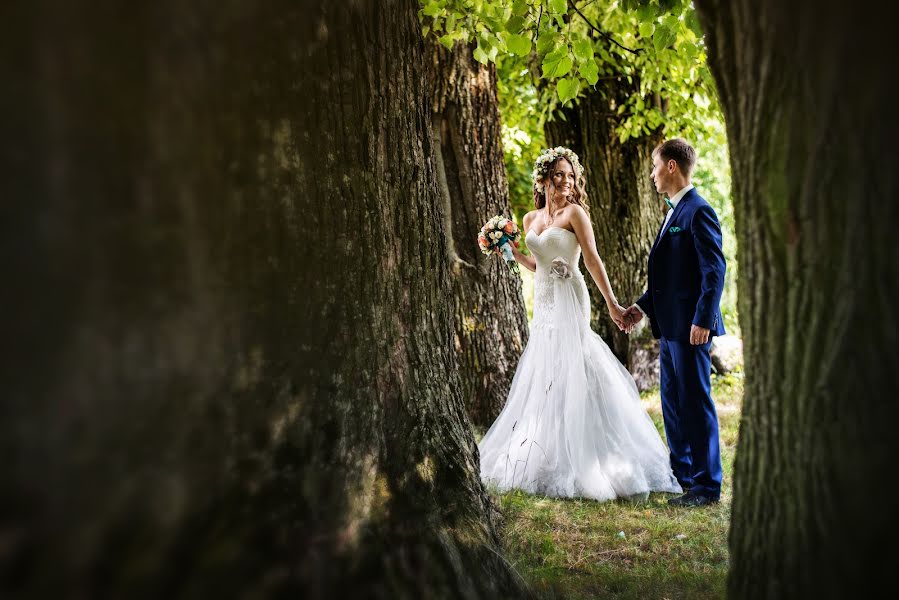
<point>233,372</point>
<point>812,128</point>
<point>625,209</point>
<point>490,319</point>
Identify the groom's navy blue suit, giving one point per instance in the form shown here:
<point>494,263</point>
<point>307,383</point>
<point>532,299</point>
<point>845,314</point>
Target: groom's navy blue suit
<point>686,279</point>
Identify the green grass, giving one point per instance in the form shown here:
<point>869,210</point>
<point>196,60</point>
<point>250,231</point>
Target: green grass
<point>578,548</point>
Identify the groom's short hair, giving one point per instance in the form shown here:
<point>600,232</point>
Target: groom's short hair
<point>678,150</point>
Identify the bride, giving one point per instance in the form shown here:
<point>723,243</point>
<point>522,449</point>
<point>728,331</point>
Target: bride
<point>573,424</point>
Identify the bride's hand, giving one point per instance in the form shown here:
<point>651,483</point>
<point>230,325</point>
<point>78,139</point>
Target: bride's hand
<point>617,312</point>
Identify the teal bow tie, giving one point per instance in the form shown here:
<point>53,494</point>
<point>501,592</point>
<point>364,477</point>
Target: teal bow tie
<point>669,203</point>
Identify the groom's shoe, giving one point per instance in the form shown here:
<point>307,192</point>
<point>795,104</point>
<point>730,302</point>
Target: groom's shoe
<point>691,500</point>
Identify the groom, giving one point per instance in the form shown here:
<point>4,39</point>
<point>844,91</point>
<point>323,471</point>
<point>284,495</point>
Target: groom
<point>686,278</point>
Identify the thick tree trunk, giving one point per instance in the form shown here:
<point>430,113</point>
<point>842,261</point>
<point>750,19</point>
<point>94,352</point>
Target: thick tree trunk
<point>490,318</point>
<point>233,370</point>
<point>625,209</point>
<point>812,128</point>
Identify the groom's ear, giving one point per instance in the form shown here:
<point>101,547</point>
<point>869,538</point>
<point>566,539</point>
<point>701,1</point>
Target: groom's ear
<point>672,165</point>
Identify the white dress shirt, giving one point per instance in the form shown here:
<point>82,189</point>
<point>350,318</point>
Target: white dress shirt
<point>674,201</point>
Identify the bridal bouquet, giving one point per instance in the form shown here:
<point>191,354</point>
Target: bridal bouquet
<point>496,236</point>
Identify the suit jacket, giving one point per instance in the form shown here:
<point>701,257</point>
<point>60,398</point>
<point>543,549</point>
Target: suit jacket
<point>686,272</point>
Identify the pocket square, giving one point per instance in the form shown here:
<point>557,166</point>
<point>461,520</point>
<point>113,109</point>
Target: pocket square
<point>674,229</point>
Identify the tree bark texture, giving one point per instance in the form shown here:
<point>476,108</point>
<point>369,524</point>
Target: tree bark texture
<point>490,319</point>
<point>624,207</point>
<point>232,370</point>
<point>812,128</point>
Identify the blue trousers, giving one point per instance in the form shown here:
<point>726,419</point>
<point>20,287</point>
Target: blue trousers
<point>691,422</point>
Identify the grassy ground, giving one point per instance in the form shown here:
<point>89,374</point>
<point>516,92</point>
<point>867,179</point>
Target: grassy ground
<point>576,549</point>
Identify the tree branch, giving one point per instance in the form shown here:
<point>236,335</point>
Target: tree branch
<point>537,28</point>
<point>600,31</point>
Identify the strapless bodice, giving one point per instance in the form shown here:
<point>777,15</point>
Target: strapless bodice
<point>551,243</point>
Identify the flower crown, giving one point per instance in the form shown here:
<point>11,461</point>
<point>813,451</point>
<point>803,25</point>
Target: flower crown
<point>548,156</point>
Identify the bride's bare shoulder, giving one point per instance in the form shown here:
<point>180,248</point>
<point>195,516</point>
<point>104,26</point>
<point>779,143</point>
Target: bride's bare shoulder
<point>528,217</point>
<point>576,213</point>
<point>576,209</point>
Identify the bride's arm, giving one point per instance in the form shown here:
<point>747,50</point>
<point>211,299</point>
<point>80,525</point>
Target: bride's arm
<point>528,262</point>
<point>580,221</point>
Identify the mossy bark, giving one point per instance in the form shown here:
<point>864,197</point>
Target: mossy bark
<point>491,326</point>
<point>812,129</point>
<point>233,371</point>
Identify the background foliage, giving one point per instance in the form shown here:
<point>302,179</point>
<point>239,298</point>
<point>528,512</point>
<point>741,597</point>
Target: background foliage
<point>550,52</point>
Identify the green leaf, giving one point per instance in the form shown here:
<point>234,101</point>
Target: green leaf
<point>647,12</point>
<point>589,71</point>
<point>515,24</point>
<point>557,53</point>
<point>646,29</point>
<point>451,23</point>
<point>663,37</point>
<point>547,41</point>
<point>568,89</point>
<point>520,8</point>
<point>604,55</point>
<point>693,23</point>
<point>432,9</point>
<point>553,67</point>
<point>689,49</point>
<point>481,56</point>
<point>494,24</point>
<point>447,41</point>
<point>583,50</point>
<point>558,6</point>
<point>519,45</point>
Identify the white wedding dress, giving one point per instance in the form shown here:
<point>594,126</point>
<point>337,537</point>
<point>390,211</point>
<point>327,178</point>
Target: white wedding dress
<point>573,425</point>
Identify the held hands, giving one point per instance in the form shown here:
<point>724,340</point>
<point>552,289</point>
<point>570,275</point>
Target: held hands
<point>632,316</point>
<point>617,312</point>
<point>626,318</point>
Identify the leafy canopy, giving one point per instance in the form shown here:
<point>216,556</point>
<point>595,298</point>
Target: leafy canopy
<point>572,47</point>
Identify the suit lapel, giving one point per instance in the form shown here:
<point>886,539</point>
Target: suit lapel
<point>680,206</point>
<point>658,237</point>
